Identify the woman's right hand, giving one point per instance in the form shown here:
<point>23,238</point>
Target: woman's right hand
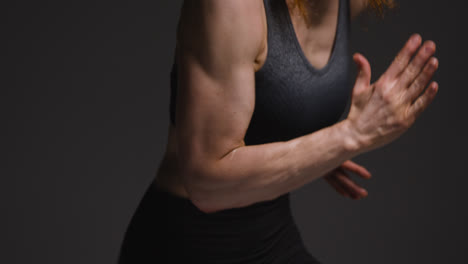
<point>382,111</point>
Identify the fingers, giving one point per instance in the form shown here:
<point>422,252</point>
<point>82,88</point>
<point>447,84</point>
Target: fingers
<point>418,62</point>
<point>340,180</point>
<point>402,59</point>
<point>361,90</point>
<point>356,168</point>
<point>353,189</point>
<point>334,183</point>
<point>423,79</point>
<point>364,75</point>
<point>424,100</point>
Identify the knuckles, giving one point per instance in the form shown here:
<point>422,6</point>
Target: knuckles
<point>399,62</point>
<point>412,71</point>
<point>407,118</point>
<point>385,93</point>
<point>402,122</point>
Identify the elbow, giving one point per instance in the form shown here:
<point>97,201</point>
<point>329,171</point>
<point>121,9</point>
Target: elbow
<point>200,200</point>
<point>205,207</point>
<point>201,190</point>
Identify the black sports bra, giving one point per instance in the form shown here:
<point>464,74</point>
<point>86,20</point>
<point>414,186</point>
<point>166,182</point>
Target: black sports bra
<point>292,97</point>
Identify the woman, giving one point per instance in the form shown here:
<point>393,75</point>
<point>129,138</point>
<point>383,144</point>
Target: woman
<point>257,89</point>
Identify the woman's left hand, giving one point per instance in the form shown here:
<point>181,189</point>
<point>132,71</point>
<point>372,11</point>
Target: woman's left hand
<point>339,179</point>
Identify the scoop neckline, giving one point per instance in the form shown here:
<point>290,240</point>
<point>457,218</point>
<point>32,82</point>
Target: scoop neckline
<point>292,33</point>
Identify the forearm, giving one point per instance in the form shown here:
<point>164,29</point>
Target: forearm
<point>250,174</point>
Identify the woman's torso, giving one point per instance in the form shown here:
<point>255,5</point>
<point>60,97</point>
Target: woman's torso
<point>318,56</point>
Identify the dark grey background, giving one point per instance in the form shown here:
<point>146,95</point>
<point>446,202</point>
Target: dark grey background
<point>86,98</point>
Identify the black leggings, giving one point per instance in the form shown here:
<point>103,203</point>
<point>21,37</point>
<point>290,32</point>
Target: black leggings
<point>169,229</point>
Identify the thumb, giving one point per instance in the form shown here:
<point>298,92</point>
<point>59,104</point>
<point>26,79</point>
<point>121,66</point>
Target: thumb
<point>364,73</point>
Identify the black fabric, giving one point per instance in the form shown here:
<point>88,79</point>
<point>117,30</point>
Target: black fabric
<point>169,229</point>
<point>292,99</point>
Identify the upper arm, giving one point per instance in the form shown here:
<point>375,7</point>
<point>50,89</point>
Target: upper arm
<point>217,44</point>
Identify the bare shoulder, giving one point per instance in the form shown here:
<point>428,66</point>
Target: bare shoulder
<point>218,45</point>
<point>237,24</point>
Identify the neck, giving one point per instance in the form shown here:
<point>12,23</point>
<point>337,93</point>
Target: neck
<point>315,10</point>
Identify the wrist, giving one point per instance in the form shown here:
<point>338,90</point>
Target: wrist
<point>352,139</point>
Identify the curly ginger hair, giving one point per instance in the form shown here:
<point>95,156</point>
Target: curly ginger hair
<point>377,6</point>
